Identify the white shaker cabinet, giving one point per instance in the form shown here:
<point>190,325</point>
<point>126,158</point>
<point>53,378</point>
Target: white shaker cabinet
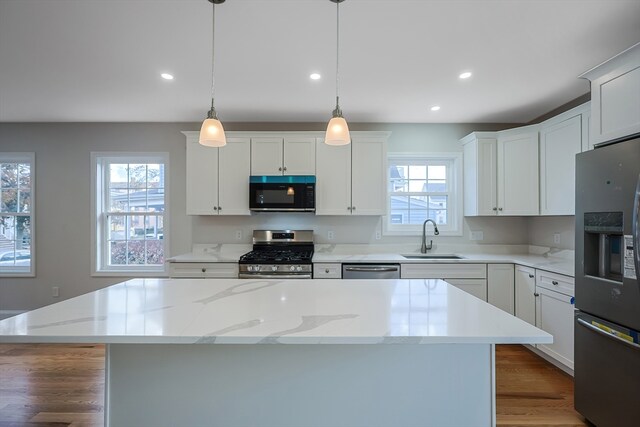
<point>206,192</point>
<point>518,186</point>
<point>333,179</point>
<point>500,286</point>
<point>501,172</point>
<point>283,156</point>
<point>525,294</point>
<point>559,144</point>
<point>615,96</point>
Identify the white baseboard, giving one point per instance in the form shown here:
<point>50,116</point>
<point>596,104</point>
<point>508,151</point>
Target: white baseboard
<point>4,314</point>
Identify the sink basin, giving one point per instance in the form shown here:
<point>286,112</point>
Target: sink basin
<point>431,256</point>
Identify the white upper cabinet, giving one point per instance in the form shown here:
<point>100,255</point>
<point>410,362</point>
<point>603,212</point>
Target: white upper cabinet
<point>283,156</point>
<point>615,96</point>
<point>217,178</point>
<point>368,173</point>
<point>501,172</point>
<point>518,186</point>
<point>560,141</point>
<point>351,179</point>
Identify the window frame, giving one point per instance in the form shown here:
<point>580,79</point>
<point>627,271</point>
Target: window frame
<point>23,157</point>
<point>455,194</point>
<point>99,226</point>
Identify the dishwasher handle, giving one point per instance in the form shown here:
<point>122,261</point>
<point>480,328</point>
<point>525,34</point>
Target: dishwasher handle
<point>371,269</point>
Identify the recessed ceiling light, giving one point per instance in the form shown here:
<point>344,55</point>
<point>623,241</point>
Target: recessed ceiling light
<point>435,108</point>
<point>465,75</point>
<point>315,76</point>
<point>166,76</point>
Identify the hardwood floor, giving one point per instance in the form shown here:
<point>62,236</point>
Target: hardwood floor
<point>63,385</point>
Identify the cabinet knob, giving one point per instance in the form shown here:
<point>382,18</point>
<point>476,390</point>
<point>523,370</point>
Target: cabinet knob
<point>554,282</point>
<point>219,208</point>
<point>348,208</point>
<point>353,208</point>
<point>326,270</point>
<point>536,294</point>
<point>499,209</point>
<point>280,169</point>
<point>495,209</point>
<point>531,276</point>
<point>204,270</point>
<point>284,169</point>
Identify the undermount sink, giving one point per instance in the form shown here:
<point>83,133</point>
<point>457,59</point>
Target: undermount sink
<point>431,256</point>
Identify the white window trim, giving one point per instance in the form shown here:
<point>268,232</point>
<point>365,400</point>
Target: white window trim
<point>29,157</point>
<point>97,236</point>
<point>453,229</point>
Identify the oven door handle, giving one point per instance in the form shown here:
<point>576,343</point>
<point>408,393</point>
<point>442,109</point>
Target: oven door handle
<point>274,276</point>
<point>371,269</point>
<point>607,334</point>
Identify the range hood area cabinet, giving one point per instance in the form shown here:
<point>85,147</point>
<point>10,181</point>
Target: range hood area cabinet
<point>351,179</point>
<point>218,178</point>
<point>615,96</point>
<point>275,156</point>
<point>501,173</point>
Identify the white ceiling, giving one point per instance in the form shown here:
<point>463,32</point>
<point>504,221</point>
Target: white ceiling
<point>100,60</point>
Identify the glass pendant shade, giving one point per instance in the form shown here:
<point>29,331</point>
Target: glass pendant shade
<point>212,134</point>
<point>337,132</point>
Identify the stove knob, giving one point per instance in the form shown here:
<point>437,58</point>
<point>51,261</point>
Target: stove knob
<point>292,268</point>
<point>298,268</point>
<point>274,268</point>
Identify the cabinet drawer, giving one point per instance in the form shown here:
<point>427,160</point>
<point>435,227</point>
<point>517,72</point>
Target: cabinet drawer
<point>555,282</point>
<point>444,271</point>
<point>327,271</point>
<point>475,287</point>
<point>227,270</point>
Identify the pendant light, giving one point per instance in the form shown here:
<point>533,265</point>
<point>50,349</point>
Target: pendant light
<point>212,132</point>
<point>337,129</point>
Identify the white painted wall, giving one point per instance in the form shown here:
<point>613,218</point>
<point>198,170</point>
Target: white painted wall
<point>542,229</point>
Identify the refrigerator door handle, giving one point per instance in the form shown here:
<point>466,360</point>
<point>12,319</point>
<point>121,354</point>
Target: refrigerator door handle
<point>635,228</point>
<point>607,334</point>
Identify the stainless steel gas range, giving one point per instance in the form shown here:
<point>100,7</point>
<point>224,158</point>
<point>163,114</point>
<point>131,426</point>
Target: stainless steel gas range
<point>283,254</point>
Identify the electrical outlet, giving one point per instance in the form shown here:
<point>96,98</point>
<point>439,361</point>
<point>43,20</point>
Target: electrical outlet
<point>476,235</point>
<point>556,238</point>
<point>238,234</point>
<point>378,235</point>
<point>55,291</point>
<point>330,235</point>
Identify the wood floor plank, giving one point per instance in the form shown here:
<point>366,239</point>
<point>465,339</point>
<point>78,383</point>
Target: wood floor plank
<point>54,385</point>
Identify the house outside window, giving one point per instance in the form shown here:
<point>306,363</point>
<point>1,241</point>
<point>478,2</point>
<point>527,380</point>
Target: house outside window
<point>131,215</point>
<point>424,186</point>
<point>17,197</point>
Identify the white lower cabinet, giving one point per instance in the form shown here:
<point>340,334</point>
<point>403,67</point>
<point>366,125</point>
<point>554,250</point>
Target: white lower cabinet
<point>471,278</point>
<point>500,286</point>
<point>525,298</point>
<point>327,270</point>
<point>204,270</point>
<point>555,314</point>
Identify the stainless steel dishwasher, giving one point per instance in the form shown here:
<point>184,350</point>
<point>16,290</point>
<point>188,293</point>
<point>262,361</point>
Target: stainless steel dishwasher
<point>370,271</point>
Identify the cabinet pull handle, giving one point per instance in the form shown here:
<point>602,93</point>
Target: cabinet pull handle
<point>495,209</point>
<point>554,282</point>
<point>219,208</point>
<point>536,294</point>
<point>284,168</point>
<point>280,169</point>
<point>326,270</point>
<point>531,276</point>
<point>499,209</point>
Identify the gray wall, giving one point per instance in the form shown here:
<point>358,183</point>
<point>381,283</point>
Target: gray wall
<point>63,216</point>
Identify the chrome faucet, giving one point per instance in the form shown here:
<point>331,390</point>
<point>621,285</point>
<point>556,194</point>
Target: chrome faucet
<point>424,247</point>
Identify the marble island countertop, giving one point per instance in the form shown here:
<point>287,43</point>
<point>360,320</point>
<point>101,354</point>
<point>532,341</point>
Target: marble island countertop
<point>231,311</point>
<point>561,263</point>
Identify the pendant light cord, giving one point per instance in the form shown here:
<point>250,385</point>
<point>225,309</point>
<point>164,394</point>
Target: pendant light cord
<point>337,53</point>
<point>213,47</point>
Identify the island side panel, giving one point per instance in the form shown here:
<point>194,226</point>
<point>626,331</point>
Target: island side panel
<point>301,385</point>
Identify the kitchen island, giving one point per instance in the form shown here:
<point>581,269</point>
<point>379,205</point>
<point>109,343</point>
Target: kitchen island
<point>195,352</point>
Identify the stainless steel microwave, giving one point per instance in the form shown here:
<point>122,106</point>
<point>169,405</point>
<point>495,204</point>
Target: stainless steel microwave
<point>293,193</point>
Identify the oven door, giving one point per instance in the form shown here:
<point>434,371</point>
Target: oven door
<point>282,193</point>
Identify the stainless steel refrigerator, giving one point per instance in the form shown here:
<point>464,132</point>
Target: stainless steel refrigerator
<point>607,347</point>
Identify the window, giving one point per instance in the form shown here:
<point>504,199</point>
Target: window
<point>131,213</point>
<point>424,186</point>
<point>16,213</point>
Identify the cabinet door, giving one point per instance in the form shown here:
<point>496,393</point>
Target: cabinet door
<point>475,287</point>
<point>518,191</point>
<point>500,286</point>
<point>299,156</point>
<point>202,179</point>
<point>443,271</point>
<point>480,177</point>
<point>266,156</point>
<point>559,144</point>
<point>333,179</point>
<point>234,170</point>
<point>368,173</point>
<point>525,294</point>
<point>554,314</point>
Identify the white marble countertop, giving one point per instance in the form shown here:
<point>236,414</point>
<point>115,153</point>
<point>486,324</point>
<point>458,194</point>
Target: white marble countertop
<point>231,311</point>
<point>344,253</point>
